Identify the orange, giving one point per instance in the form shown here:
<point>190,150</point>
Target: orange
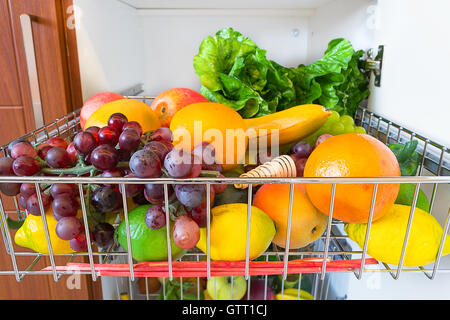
<point>352,155</point>
<point>134,110</point>
<point>214,123</point>
<point>307,223</point>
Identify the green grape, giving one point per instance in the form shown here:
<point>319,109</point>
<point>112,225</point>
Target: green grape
<point>359,129</point>
<point>337,128</point>
<point>348,128</point>
<point>347,120</point>
<point>334,117</point>
<point>324,129</point>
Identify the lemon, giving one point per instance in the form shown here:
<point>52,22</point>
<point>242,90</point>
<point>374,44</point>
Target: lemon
<point>31,235</point>
<point>229,232</point>
<point>292,294</point>
<point>388,233</point>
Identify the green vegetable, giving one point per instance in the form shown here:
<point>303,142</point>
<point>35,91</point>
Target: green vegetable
<point>235,72</point>
<point>407,157</point>
<point>173,289</point>
<point>406,194</point>
<point>15,224</point>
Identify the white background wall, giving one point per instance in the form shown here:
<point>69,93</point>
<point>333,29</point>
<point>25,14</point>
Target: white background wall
<point>415,84</point>
<point>110,46</point>
<point>173,40</point>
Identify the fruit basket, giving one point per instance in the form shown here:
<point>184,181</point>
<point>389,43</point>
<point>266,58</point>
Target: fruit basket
<point>331,252</point>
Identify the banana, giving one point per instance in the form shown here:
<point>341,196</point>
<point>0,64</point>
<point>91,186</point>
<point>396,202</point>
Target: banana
<point>291,124</point>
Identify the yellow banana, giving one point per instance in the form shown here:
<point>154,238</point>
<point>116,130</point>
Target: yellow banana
<point>292,124</point>
<point>292,294</point>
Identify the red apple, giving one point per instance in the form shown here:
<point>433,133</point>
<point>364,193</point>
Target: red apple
<point>95,102</point>
<point>170,101</point>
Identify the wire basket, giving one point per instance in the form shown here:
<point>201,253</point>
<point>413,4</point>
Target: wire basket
<point>325,256</point>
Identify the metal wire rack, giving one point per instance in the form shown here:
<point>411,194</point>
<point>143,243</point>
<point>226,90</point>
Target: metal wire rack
<point>332,245</point>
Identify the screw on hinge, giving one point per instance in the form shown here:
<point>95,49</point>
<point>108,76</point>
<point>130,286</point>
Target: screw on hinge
<point>373,64</point>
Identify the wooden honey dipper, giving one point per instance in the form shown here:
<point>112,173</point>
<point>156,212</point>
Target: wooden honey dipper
<point>282,166</point>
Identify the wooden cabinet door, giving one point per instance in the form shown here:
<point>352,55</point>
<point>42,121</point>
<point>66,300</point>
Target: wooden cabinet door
<point>59,94</point>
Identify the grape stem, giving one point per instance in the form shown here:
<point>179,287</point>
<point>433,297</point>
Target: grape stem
<point>210,173</point>
<point>78,170</point>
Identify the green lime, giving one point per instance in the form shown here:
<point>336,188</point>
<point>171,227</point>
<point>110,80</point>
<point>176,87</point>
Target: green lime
<point>146,244</point>
<point>406,194</point>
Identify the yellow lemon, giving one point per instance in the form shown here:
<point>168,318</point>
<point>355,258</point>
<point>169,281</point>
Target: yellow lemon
<point>388,233</point>
<point>31,235</point>
<point>292,294</point>
<point>134,110</point>
<point>229,232</point>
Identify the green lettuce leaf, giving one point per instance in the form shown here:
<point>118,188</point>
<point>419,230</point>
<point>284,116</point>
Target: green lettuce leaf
<point>235,72</point>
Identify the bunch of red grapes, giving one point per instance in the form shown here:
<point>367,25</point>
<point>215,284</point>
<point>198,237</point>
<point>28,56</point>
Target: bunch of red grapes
<point>120,149</point>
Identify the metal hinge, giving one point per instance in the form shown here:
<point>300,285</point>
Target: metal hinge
<point>373,64</point>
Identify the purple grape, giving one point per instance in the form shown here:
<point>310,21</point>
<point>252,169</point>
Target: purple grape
<point>133,125</point>
<point>145,164</point>
<point>159,148</point>
<point>79,243</point>
<point>43,149</point>
<point>301,149</point>
<point>104,157</point>
<point>26,166</point>
<point>257,288</point>
<point>57,142</point>
<point>58,189</point>
<point>300,165</point>
<point>103,234</point>
<point>12,143</point>
<point>213,167</point>
<point>113,173</point>
<point>140,199</point>
<point>132,189</point>
<point>6,169</point>
<point>108,135</point>
<point>186,232</point>
<point>33,203</point>
<point>57,158</point>
<point>68,228</point>
<point>206,152</point>
<point>65,205</point>
<point>22,200</point>
<point>220,187</point>
<point>198,214</point>
<point>155,218</point>
<point>178,163</point>
<point>154,193</point>
<point>94,130</point>
<point>190,195</point>
<point>117,121</point>
<point>84,142</point>
<point>105,199</point>
<point>129,140</point>
<point>27,189</point>
<point>162,134</point>
<point>23,149</point>
<point>124,155</point>
<point>322,138</point>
